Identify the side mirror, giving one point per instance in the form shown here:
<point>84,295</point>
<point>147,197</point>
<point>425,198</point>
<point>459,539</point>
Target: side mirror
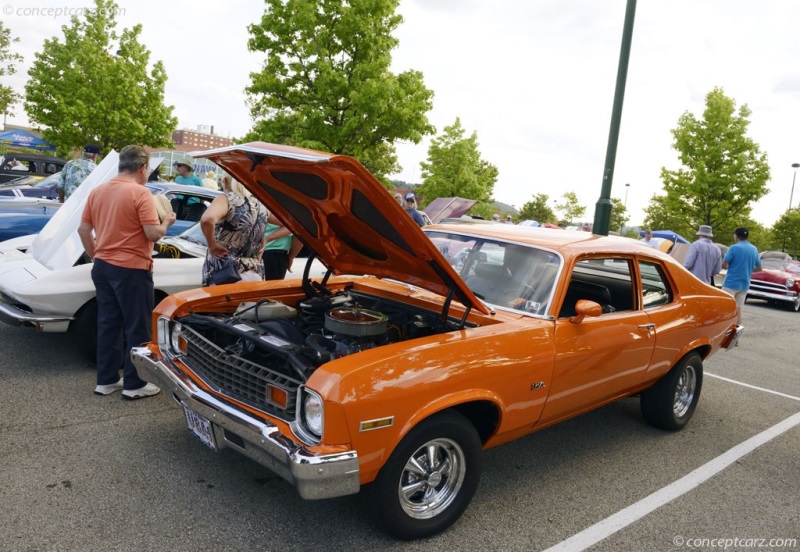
<point>585,308</point>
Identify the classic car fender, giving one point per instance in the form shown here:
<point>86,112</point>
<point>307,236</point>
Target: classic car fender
<point>503,370</point>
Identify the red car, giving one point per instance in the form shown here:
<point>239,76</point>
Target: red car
<point>778,282</point>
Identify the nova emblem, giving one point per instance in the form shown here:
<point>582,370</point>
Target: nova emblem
<point>537,385</point>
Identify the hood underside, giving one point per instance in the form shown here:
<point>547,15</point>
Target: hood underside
<point>343,214</point>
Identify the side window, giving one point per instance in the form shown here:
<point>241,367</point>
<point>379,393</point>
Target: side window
<point>606,281</point>
<point>656,290</point>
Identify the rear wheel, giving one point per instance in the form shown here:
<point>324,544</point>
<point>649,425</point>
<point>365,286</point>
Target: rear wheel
<point>84,329</point>
<point>670,403</point>
<point>430,478</point>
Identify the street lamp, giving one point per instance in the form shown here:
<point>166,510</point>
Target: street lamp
<point>625,204</point>
<point>791,196</point>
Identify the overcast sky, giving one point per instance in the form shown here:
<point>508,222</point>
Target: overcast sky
<point>534,78</point>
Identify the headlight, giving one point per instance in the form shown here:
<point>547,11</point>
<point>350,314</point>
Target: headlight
<point>312,413</point>
<point>789,283</point>
<point>169,337</point>
<point>177,344</point>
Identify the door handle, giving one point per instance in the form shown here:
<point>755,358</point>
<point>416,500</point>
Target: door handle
<point>651,328</point>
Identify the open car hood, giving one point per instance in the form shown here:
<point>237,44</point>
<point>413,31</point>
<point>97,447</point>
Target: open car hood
<point>343,214</point>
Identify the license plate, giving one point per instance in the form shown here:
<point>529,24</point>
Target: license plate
<point>200,427</point>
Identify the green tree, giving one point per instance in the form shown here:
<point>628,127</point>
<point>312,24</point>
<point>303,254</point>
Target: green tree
<point>455,167</point>
<point>326,82</point>
<point>723,171</point>
<point>94,87</point>
<point>571,208</point>
<point>619,215</point>
<point>787,231</point>
<point>8,66</point>
<point>537,209</point>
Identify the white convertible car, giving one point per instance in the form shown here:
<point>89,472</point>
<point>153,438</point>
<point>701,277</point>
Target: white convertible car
<point>46,283</point>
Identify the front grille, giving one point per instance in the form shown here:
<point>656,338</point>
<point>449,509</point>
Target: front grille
<point>768,287</point>
<point>237,378</point>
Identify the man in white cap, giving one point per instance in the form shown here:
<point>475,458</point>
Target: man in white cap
<point>704,259</point>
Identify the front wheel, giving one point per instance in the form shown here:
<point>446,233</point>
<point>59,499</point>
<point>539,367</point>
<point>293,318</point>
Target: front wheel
<point>430,478</point>
<point>671,401</point>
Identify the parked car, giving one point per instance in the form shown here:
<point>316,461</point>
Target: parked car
<point>778,282</point>
<point>53,294</point>
<point>31,187</point>
<point>21,217</point>
<point>402,376</point>
<point>15,165</point>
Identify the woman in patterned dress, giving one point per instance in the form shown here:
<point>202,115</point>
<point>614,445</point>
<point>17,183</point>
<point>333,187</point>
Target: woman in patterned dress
<point>234,226</point>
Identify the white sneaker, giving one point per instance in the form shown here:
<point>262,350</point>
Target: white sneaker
<point>147,391</point>
<point>108,389</point>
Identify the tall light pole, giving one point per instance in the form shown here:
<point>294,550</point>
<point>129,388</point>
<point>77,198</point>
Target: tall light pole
<point>625,204</point>
<point>791,196</point>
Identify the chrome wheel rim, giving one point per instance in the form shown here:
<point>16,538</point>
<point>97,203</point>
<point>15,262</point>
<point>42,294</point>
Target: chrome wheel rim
<point>684,391</point>
<point>432,478</point>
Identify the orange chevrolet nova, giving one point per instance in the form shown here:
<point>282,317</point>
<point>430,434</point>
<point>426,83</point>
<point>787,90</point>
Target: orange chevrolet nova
<point>437,344</point>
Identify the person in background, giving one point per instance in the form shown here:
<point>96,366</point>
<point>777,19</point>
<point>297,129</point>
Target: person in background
<point>398,197</point>
<point>210,181</point>
<point>496,217</point>
<point>75,172</point>
<point>186,174</point>
<point>118,227</point>
<point>234,227</point>
<point>508,220</point>
<point>741,260</point>
<point>648,239</point>
<point>704,259</point>
<point>279,252</point>
<point>411,209</point>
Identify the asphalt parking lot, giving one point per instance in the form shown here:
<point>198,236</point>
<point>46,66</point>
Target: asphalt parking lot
<point>82,472</point>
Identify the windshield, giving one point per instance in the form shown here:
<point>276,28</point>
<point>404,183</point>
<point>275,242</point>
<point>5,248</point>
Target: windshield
<point>780,264</point>
<point>502,274</point>
<point>193,234</point>
<point>48,182</point>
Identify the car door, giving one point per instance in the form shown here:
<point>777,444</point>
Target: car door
<point>599,358</point>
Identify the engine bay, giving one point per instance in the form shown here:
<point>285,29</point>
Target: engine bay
<point>295,340</point>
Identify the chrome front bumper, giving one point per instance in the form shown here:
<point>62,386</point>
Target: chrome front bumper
<point>314,476</point>
<point>15,316</point>
<point>787,296</point>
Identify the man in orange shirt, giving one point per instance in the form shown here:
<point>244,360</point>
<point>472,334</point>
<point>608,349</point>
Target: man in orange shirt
<point>125,222</point>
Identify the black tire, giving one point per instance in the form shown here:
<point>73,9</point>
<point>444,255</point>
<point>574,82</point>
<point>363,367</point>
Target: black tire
<point>795,305</point>
<point>84,330</point>
<point>411,503</point>
<point>670,403</point>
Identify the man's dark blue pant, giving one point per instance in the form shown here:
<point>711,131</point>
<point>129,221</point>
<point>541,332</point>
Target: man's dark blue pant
<point>124,314</point>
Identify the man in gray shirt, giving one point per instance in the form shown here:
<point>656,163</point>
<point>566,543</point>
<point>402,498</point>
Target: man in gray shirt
<point>704,259</point>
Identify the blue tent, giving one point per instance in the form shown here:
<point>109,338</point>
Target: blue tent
<point>667,235</point>
<point>24,139</point>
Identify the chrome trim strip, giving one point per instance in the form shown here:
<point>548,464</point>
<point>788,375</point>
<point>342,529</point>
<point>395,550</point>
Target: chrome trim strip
<point>776,296</point>
<point>16,316</point>
<point>314,476</point>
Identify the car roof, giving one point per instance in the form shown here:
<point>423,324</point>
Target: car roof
<point>574,243</point>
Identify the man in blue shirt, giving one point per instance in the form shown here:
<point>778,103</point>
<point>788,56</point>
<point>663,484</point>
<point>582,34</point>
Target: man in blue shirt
<point>741,260</point>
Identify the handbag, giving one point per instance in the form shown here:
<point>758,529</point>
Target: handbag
<point>227,273</point>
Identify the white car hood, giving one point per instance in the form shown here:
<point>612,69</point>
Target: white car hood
<point>58,246</point>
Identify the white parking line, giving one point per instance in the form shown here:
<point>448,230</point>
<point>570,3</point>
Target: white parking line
<point>610,525</point>
<point>753,387</point>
